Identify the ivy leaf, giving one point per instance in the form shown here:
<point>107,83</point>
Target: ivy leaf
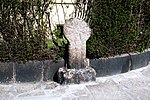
<point>59,41</point>
<point>49,44</point>
<point>65,40</point>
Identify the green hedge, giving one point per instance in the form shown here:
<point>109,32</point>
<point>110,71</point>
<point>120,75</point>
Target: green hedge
<point>119,26</point>
<point>24,31</point>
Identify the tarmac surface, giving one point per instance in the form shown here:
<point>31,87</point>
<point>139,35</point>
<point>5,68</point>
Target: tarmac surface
<point>133,85</point>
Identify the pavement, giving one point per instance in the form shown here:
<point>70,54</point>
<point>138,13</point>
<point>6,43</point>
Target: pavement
<point>133,85</point>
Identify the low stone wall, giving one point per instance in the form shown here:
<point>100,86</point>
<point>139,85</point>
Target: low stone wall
<point>110,66</point>
<point>140,60</point>
<point>29,71</point>
<point>6,72</point>
<point>120,64</point>
<point>45,70</point>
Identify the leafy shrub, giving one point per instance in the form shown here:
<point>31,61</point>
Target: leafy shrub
<point>24,31</point>
<point>118,27</point>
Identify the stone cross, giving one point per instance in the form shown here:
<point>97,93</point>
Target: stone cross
<point>77,32</point>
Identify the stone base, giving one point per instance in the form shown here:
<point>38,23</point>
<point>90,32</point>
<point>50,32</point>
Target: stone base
<point>68,76</point>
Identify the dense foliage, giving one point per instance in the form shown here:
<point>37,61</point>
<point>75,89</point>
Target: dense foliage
<point>119,26</point>
<point>24,31</point>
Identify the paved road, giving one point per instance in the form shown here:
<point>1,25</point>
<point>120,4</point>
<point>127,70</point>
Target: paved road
<point>134,85</point>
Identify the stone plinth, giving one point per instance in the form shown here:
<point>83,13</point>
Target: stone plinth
<point>67,76</point>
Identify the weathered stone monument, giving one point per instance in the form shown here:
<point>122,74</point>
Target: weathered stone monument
<point>77,32</point>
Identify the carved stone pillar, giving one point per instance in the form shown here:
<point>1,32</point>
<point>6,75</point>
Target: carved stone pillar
<point>77,32</point>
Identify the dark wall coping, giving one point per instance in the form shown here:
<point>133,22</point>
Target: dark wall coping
<point>29,71</point>
<point>121,63</point>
